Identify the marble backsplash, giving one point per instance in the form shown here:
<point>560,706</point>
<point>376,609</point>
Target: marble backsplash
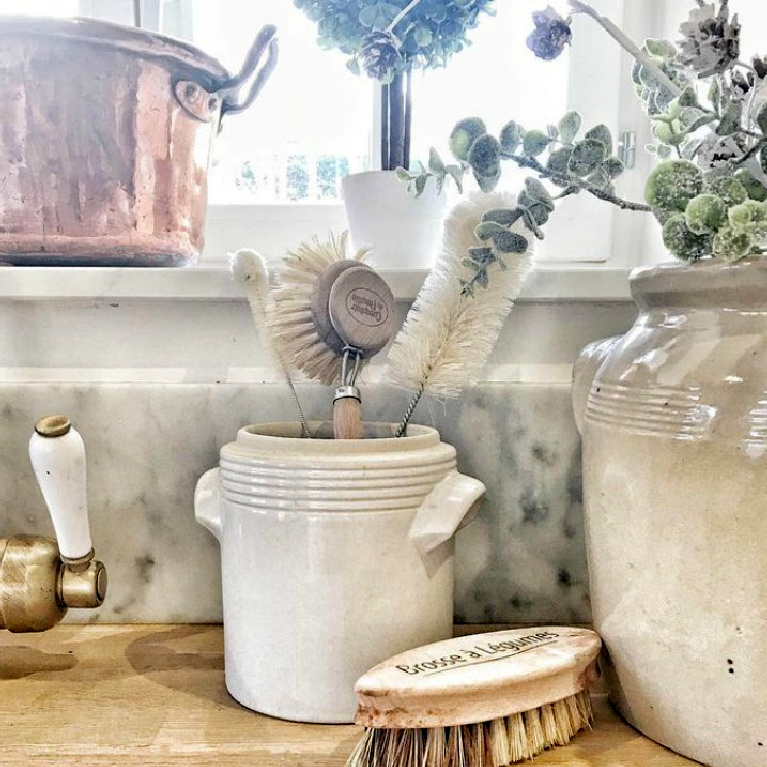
<point>522,559</point>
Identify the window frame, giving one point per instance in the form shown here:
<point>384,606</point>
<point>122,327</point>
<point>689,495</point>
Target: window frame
<point>599,75</point>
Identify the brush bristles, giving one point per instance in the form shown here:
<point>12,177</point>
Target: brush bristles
<point>291,321</point>
<point>488,744</point>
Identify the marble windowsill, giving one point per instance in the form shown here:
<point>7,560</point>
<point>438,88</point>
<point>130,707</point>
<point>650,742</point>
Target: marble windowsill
<point>546,284</point>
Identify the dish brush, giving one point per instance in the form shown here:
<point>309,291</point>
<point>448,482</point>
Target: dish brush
<point>331,315</point>
<point>485,700</point>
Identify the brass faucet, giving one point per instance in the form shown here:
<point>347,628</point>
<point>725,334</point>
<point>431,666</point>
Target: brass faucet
<point>40,578</point>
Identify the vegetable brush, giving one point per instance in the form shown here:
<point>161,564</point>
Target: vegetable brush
<point>486,700</point>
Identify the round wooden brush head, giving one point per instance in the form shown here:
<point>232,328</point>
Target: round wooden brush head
<point>478,678</point>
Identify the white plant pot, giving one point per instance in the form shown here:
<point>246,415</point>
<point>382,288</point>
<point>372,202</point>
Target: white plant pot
<point>335,555</point>
<point>404,232</point>
<point>674,423</point>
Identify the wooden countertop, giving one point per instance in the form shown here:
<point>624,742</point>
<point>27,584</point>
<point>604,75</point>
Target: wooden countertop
<point>154,696</point>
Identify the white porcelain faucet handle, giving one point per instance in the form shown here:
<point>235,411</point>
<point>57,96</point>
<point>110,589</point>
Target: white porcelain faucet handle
<point>57,453</point>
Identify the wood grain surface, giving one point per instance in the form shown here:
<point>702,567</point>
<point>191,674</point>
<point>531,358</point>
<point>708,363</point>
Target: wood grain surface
<point>154,696</point>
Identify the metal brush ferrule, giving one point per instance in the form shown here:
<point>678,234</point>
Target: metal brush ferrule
<point>347,392</point>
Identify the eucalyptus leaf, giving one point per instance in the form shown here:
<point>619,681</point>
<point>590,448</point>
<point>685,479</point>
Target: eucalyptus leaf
<point>436,165</point>
<point>503,216</point>
<point>586,156</point>
<point>662,48</point>
<point>420,185</point>
<point>463,136</point>
<point>534,143</point>
<point>730,122</point>
<point>569,126</point>
<point>487,229</point>
<point>538,192</point>
<point>559,160</point>
<point>510,242</point>
<point>509,138</point>
<point>613,167</point>
<point>401,174</point>
<point>761,118</point>
<point>456,173</point>
<point>601,133</point>
<point>485,157</point>
<point>487,183</point>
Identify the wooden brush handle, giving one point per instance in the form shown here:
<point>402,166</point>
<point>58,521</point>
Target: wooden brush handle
<point>478,678</point>
<point>347,417</point>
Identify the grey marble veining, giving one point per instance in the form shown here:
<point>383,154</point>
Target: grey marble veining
<point>522,559</point>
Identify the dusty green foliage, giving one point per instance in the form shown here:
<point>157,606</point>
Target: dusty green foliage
<point>683,243</point>
<point>556,154</point>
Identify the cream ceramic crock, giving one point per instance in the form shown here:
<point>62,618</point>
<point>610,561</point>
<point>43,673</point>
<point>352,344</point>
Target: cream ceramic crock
<point>674,424</point>
<point>335,555</point>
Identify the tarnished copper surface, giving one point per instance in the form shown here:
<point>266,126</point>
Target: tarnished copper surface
<point>105,136</point>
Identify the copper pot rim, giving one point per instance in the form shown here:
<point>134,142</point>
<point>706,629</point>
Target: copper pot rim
<point>138,42</point>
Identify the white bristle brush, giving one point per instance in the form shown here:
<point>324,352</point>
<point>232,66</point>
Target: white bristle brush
<point>249,269</point>
<point>486,700</point>
<point>448,335</point>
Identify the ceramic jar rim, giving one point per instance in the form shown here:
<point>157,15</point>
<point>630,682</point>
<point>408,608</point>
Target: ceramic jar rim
<point>706,284</point>
<point>279,436</point>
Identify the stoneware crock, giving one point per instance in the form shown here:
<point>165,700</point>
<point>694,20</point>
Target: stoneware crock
<point>674,423</point>
<point>106,139</point>
<point>335,555</point>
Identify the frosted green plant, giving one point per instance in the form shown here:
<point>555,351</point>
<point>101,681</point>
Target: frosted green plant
<point>708,114</point>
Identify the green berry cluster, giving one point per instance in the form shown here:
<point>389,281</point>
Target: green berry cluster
<point>724,216</point>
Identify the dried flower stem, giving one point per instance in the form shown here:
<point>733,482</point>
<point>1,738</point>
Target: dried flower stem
<point>627,44</point>
<point>401,15</point>
<point>571,181</point>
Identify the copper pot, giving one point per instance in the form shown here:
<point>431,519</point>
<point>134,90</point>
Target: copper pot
<point>105,140</point>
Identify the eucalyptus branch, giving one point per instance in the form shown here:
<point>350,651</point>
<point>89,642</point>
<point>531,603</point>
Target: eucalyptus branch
<point>566,193</point>
<point>574,181</point>
<point>750,153</point>
<point>627,44</point>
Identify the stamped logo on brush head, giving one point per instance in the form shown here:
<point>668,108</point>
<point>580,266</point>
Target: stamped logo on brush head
<point>367,307</point>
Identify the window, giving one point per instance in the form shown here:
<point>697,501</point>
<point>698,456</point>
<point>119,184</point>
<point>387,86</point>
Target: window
<point>276,167</point>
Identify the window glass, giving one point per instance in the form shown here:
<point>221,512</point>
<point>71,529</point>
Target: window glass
<point>497,78</point>
<point>311,125</point>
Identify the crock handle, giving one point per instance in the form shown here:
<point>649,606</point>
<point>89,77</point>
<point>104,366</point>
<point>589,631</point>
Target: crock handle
<point>446,509</point>
<point>207,502</point>
<point>266,40</point>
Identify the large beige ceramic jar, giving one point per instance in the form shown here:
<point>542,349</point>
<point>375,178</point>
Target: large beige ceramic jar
<point>674,424</point>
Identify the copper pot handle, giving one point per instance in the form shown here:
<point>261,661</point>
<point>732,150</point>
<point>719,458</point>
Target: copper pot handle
<point>266,40</point>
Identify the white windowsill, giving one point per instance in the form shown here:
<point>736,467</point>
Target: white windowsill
<point>546,284</point>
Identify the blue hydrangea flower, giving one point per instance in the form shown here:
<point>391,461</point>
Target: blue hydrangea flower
<point>551,33</point>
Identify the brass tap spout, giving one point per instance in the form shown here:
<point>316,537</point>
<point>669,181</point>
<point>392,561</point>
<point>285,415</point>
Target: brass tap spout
<point>38,581</point>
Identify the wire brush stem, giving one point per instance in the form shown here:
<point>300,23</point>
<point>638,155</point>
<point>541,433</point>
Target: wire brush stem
<point>412,405</point>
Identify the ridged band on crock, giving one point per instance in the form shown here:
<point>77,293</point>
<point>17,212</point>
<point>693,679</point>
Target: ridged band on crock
<point>664,411</point>
<point>262,485</point>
